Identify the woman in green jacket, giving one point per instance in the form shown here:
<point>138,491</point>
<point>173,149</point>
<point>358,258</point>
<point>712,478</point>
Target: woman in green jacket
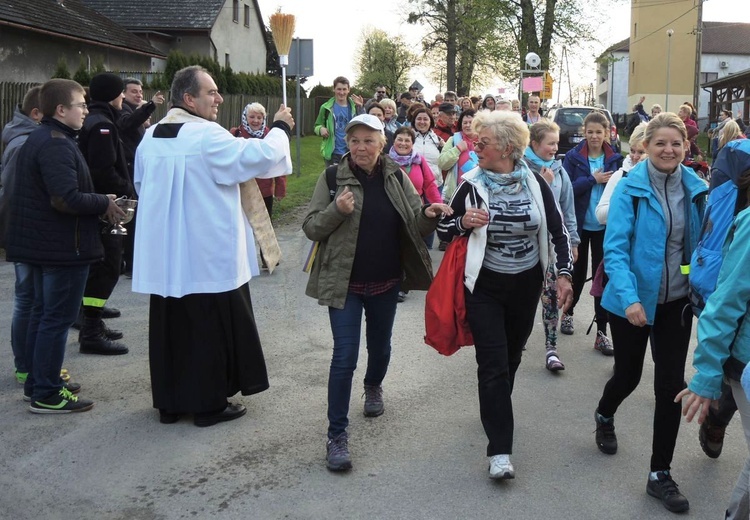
<point>369,230</point>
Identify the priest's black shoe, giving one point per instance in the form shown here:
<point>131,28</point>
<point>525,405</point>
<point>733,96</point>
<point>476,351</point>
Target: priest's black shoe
<point>168,418</point>
<point>231,412</point>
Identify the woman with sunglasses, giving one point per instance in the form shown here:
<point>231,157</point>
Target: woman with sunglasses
<point>508,214</point>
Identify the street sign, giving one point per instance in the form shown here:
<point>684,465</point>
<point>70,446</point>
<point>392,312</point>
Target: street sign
<point>300,58</point>
<point>546,92</point>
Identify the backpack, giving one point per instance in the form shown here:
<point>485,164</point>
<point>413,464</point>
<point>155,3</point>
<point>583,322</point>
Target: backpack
<point>724,202</point>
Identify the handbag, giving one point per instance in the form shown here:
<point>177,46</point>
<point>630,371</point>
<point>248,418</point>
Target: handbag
<point>445,307</point>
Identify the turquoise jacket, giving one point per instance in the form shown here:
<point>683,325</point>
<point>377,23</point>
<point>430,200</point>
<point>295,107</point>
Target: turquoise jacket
<point>635,245</point>
<point>325,118</point>
<point>724,327</point>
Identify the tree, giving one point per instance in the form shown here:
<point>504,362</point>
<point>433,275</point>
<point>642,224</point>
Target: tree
<point>479,37</point>
<point>62,71</point>
<point>383,60</point>
<point>82,74</point>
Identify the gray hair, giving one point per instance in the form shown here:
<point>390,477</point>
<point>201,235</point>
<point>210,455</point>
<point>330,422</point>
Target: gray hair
<point>255,107</point>
<point>186,82</point>
<point>507,127</point>
<point>131,81</point>
<point>389,103</point>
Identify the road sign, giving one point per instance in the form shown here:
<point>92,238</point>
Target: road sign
<point>546,92</point>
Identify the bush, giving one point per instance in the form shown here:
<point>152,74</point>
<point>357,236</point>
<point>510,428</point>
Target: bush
<point>62,71</point>
<point>82,75</point>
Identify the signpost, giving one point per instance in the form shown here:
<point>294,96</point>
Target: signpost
<point>300,64</point>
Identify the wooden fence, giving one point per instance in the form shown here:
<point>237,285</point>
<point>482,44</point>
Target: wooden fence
<point>11,95</point>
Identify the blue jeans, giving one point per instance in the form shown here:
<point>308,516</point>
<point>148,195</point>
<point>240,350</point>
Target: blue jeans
<point>57,297</point>
<point>22,304</point>
<point>346,325</point>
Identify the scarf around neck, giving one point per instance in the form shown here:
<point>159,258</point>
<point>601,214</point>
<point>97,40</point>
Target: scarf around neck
<point>405,160</point>
<point>534,158</point>
<point>508,183</point>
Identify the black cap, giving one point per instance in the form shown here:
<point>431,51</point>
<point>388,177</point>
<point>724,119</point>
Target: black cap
<point>106,87</point>
<point>447,108</point>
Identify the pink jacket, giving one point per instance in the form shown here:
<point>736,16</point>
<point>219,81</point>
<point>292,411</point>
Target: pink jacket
<point>423,179</point>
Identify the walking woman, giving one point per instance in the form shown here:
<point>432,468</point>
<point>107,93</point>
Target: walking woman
<point>426,141</point>
<point>508,215</point>
<point>370,233</point>
<point>590,165</point>
<point>659,208</point>
<point>540,158</point>
<point>724,343</point>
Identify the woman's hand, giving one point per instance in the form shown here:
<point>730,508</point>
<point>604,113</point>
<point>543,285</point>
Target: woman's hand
<point>474,218</point>
<point>345,201</point>
<point>602,177</point>
<point>462,146</point>
<point>564,293</point>
<point>636,315</point>
<point>547,174</point>
<point>437,209</point>
<point>694,404</point>
<point>575,253</point>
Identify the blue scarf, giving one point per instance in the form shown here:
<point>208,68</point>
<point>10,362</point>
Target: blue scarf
<point>531,156</point>
<point>405,160</point>
<point>508,183</point>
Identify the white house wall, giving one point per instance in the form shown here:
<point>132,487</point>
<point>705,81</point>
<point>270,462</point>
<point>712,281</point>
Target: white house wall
<point>712,63</point>
<point>245,45</point>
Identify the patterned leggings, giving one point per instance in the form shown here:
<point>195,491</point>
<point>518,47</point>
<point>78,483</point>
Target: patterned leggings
<point>550,313</point>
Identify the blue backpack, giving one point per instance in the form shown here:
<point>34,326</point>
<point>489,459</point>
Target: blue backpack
<point>724,202</point>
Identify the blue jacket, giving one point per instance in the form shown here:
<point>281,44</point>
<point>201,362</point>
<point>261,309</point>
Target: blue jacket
<point>724,327</point>
<point>635,245</point>
<point>576,163</point>
<point>54,214</point>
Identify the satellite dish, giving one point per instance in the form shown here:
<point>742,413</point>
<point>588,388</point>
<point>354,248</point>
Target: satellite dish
<point>533,60</point>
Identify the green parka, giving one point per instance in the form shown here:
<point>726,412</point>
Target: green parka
<point>337,234</point>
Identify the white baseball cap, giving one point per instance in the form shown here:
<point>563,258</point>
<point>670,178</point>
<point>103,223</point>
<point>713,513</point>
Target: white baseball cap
<point>368,120</point>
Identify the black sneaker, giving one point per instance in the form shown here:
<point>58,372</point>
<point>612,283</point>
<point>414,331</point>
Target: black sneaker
<point>71,387</point>
<point>606,440</point>
<point>665,489</point>
<point>337,453</point>
<point>63,402</point>
<point>373,401</point>
<point>711,438</point>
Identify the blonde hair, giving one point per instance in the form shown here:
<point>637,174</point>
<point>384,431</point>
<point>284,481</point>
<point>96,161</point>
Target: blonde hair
<point>637,136</point>
<point>665,120</point>
<point>730,132</point>
<point>687,107</point>
<point>539,130</point>
<point>507,127</point>
<point>386,102</point>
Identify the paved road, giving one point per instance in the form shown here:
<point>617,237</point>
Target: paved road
<point>423,459</point>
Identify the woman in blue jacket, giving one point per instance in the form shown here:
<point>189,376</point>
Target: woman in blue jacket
<point>659,209</point>
<point>590,165</point>
<point>724,343</point>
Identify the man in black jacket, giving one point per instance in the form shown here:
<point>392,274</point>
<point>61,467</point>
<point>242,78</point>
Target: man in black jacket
<point>53,233</point>
<point>101,147</point>
<point>134,119</point>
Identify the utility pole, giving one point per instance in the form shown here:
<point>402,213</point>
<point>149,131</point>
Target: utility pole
<point>698,53</point>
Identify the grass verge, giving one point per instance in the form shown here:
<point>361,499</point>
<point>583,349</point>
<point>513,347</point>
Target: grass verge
<point>299,188</point>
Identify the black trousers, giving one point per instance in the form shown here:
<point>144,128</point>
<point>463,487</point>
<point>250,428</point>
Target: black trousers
<point>501,313</point>
<point>595,240</point>
<point>670,336</point>
<point>103,275</point>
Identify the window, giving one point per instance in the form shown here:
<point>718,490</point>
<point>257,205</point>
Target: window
<point>708,76</point>
<point>635,30</point>
<point>236,11</point>
<point>226,60</point>
<point>247,15</point>
<point>633,69</point>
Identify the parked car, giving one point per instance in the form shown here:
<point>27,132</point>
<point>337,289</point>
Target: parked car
<point>570,120</point>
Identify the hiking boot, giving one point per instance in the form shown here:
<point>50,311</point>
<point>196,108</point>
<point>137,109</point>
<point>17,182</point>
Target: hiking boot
<point>603,344</point>
<point>337,453</point>
<point>373,401</point>
<point>92,339</point>
<point>442,245</point>
<point>566,324</point>
<point>401,297</point>
<point>501,467</point>
<point>665,489</point>
<point>63,402</point>
<point>110,312</point>
<point>711,438</point>
<point>606,440</point>
<point>111,334</point>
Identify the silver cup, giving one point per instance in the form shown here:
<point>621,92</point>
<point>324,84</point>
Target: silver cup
<point>128,206</point>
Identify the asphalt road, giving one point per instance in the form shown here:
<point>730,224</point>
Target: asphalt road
<point>423,459</point>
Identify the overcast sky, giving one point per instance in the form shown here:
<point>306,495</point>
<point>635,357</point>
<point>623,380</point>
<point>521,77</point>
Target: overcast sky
<point>335,42</point>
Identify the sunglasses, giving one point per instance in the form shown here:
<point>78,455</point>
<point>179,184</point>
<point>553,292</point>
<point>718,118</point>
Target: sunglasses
<point>481,145</point>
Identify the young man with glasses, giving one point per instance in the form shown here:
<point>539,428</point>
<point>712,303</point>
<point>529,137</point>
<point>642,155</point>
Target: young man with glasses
<point>53,235</point>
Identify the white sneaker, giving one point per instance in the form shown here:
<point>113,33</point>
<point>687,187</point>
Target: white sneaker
<point>501,468</point>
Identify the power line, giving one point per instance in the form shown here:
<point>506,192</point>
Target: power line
<point>664,26</point>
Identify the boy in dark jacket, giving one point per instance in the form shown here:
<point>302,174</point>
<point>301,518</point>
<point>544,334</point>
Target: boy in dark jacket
<point>53,235</point>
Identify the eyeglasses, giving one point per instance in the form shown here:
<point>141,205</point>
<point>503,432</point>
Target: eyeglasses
<point>481,145</point>
<point>380,91</point>
<point>78,105</point>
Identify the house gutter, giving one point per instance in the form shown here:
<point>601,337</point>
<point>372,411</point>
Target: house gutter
<point>77,39</point>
